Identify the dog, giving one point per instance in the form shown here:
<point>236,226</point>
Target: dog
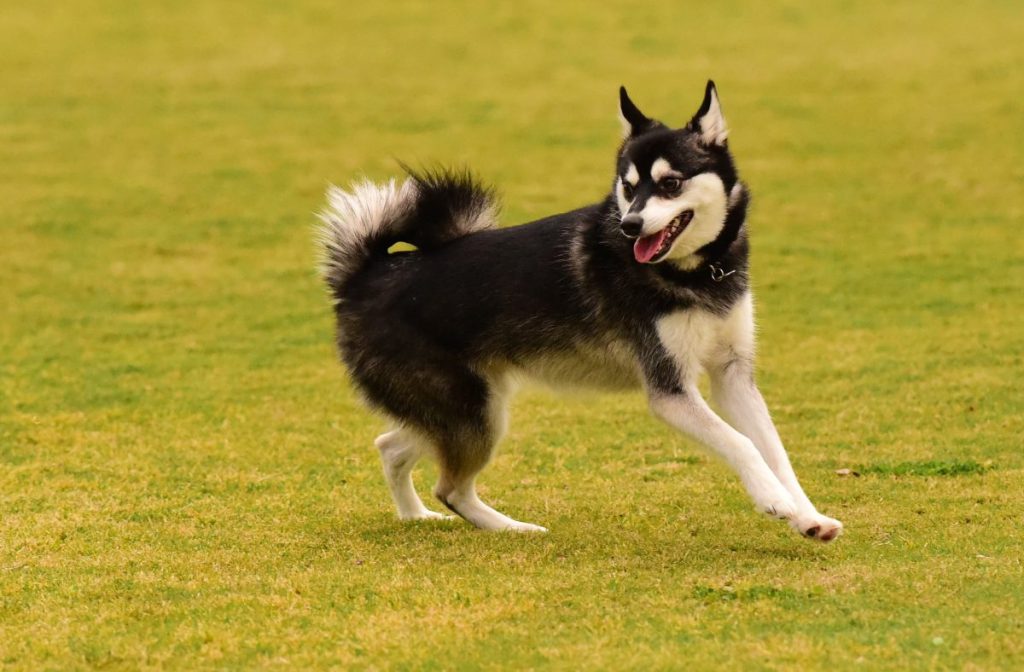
<point>648,288</point>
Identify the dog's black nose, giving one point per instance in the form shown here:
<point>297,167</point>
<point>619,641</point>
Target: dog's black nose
<point>631,225</point>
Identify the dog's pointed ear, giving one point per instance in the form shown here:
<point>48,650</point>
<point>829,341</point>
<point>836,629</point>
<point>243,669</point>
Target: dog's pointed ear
<point>709,122</point>
<point>634,122</point>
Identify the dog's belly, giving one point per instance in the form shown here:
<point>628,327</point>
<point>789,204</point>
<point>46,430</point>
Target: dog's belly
<point>608,367</point>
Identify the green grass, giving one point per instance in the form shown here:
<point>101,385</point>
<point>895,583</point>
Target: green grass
<point>187,481</point>
<point>927,468</point>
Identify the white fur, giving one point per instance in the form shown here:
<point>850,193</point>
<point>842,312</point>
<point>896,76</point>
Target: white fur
<point>738,333</point>
<point>357,213</point>
<point>588,366</point>
<point>662,168</point>
<point>632,176</point>
<point>690,414</point>
<point>713,129</point>
<point>352,216</point>
<point>690,336</point>
<point>465,500</point>
<point>400,450</point>
<point>620,197</point>
<point>627,128</point>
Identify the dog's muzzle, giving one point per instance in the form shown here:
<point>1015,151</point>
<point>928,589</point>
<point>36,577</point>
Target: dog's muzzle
<point>632,225</point>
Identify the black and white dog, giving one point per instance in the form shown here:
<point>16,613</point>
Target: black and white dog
<point>647,288</point>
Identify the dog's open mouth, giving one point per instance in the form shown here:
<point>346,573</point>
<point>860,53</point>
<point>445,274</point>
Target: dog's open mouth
<point>655,246</point>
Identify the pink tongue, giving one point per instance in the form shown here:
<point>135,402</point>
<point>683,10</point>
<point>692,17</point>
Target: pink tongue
<point>645,248</point>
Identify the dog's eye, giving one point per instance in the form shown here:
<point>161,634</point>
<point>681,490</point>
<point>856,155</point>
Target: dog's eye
<point>627,191</point>
<point>671,185</point>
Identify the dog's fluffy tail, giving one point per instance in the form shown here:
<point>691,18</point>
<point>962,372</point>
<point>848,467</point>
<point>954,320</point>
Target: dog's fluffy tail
<point>427,210</point>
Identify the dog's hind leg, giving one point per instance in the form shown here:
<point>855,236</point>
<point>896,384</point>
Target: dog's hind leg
<point>457,490</point>
<point>399,453</point>
<point>464,451</point>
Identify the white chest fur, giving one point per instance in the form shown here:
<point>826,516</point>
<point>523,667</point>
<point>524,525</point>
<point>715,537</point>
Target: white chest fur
<point>697,339</point>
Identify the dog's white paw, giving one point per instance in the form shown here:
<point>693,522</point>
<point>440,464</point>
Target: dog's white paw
<point>817,526</point>
<point>783,508</point>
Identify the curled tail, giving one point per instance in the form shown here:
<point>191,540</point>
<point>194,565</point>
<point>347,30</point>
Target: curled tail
<point>427,210</point>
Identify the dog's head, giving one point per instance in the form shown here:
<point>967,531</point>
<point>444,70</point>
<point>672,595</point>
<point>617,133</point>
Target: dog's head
<point>674,187</point>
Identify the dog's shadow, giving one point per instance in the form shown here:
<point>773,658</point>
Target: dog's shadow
<point>381,543</point>
<point>376,537</point>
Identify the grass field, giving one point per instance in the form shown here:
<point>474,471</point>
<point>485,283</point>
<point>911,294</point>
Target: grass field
<point>187,481</point>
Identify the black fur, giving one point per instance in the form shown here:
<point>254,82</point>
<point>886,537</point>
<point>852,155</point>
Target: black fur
<point>637,120</point>
<point>443,198</point>
<point>705,106</point>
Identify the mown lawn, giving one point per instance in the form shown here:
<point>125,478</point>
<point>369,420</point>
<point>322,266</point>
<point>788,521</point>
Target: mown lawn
<point>187,481</point>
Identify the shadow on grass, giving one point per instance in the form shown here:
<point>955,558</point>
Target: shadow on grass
<point>756,593</point>
<point>379,537</point>
<point>928,468</point>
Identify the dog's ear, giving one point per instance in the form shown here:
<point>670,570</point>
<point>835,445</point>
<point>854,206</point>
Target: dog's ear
<point>709,122</point>
<point>634,122</point>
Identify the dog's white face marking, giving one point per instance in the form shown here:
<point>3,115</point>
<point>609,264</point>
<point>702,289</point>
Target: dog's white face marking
<point>632,177</point>
<point>662,168</point>
<point>620,196</point>
<point>705,195</point>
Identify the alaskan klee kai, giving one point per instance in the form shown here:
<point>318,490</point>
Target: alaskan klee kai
<point>647,288</point>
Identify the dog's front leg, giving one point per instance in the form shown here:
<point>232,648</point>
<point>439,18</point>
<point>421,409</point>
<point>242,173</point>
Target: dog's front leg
<point>735,392</point>
<point>686,411</point>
